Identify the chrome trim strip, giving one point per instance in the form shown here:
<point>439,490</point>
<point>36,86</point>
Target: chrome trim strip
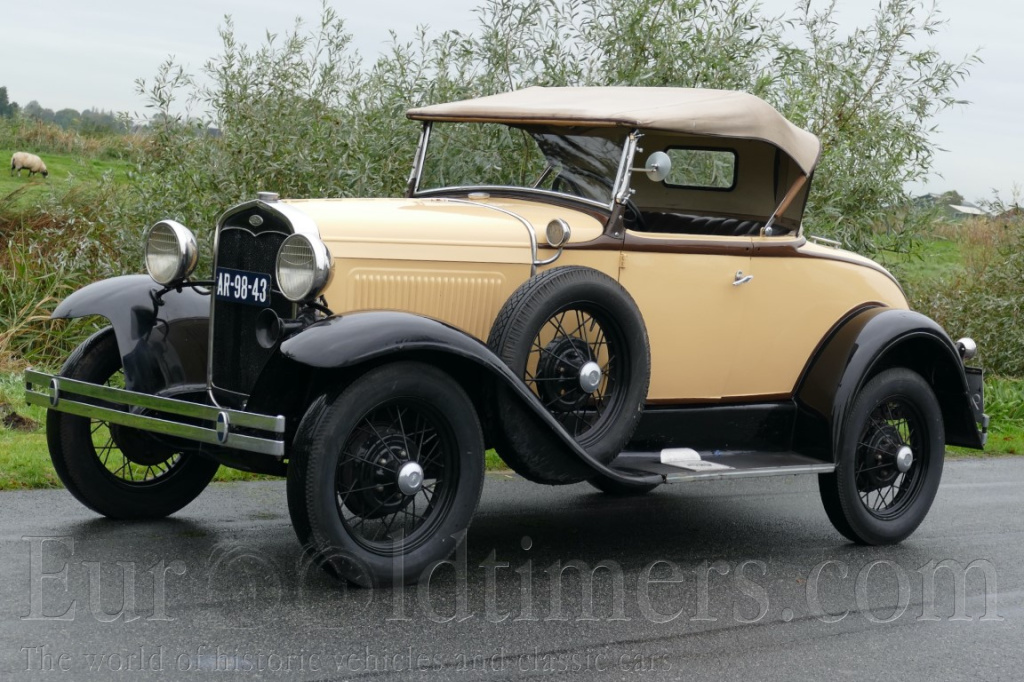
<point>824,241</point>
<point>59,393</point>
<point>682,477</point>
<point>529,228</point>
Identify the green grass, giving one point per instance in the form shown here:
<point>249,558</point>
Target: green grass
<point>937,258</point>
<point>62,168</point>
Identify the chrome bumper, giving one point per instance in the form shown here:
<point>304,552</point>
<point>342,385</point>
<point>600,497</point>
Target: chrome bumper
<point>118,406</point>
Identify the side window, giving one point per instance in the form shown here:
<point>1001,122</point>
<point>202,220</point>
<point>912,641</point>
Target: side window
<point>702,168</point>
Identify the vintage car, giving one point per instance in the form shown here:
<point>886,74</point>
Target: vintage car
<point>603,284</point>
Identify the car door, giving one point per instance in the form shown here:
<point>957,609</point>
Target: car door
<point>797,293</point>
<point>686,289</point>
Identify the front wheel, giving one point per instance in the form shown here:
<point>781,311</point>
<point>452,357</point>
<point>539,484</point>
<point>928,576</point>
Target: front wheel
<point>114,470</point>
<point>384,476</point>
<point>890,460</point>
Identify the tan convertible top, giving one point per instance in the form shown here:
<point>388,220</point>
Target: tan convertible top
<point>720,113</point>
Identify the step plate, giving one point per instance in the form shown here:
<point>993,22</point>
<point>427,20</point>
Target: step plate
<point>746,464</point>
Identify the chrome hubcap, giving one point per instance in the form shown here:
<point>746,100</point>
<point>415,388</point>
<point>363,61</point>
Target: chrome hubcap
<point>904,458</point>
<point>410,478</point>
<point>590,377</point>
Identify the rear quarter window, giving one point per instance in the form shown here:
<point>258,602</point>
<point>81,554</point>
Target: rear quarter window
<point>702,168</point>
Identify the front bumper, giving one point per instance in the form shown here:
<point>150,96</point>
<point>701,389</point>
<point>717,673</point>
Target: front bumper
<point>235,429</point>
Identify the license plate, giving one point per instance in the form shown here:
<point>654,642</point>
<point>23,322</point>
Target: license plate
<point>240,286</point>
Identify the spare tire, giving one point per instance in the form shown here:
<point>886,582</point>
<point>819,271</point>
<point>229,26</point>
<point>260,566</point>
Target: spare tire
<point>578,341</point>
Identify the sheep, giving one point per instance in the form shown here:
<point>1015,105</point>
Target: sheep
<point>30,162</point>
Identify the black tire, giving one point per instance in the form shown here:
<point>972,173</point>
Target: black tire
<point>869,498</point>
<point>116,471</point>
<point>343,492</point>
<point>552,325</point>
<point>618,489</point>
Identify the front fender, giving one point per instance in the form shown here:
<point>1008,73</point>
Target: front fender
<point>359,338</point>
<point>875,339</point>
<point>163,342</point>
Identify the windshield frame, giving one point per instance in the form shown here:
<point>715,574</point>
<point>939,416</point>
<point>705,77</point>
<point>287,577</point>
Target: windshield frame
<point>618,194</point>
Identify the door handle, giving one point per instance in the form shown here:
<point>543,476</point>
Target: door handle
<point>740,278</point>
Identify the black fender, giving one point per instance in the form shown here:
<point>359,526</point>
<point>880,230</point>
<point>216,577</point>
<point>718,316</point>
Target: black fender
<point>163,339</point>
<point>867,342</point>
<point>356,339</point>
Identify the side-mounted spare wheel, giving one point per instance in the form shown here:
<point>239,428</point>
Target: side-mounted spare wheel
<point>384,476</point>
<point>578,341</point>
<point>115,470</point>
<point>889,461</point>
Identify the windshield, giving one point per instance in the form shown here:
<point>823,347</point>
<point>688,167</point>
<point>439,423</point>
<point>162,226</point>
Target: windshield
<point>573,161</point>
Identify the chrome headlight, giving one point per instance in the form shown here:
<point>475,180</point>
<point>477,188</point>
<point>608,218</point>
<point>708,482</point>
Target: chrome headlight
<point>303,268</point>
<point>171,252</point>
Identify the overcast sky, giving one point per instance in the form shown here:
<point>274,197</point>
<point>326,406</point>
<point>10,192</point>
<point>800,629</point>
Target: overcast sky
<point>81,54</point>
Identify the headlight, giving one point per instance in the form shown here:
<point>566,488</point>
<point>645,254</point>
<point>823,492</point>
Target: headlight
<point>303,268</point>
<point>171,252</point>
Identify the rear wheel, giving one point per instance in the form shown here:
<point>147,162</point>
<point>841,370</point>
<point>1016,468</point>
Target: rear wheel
<point>890,460</point>
<point>385,475</point>
<point>114,470</point>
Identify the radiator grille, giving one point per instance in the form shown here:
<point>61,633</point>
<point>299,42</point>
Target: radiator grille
<point>236,357</point>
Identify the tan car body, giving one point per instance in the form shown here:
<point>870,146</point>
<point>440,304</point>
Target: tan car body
<point>459,260</point>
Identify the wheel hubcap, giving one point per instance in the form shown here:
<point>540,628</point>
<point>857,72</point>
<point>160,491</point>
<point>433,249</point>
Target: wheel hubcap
<point>410,478</point>
<point>904,459</point>
<point>590,377</point>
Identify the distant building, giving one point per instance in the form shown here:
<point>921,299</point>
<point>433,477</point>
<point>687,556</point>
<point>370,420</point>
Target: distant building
<point>951,205</point>
<point>967,210</point>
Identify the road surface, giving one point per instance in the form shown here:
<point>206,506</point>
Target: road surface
<point>715,580</point>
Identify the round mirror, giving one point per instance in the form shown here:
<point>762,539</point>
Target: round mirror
<point>658,166</point>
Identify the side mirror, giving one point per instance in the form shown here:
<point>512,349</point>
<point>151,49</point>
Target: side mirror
<point>657,168</point>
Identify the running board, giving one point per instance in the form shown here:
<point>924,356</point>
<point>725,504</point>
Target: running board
<point>714,465</point>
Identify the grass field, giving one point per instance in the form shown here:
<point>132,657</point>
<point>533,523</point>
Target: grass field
<point>62,169</point>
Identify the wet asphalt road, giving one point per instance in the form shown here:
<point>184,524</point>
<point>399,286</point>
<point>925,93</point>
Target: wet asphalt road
<point>741,580</point>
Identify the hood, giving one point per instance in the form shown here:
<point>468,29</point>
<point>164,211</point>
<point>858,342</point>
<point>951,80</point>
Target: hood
<point>435,228</point>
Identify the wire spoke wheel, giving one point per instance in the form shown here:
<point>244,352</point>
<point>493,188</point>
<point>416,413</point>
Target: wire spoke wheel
<point>115,470</point>
<point>376,509</point>
<point>885,489</point>
<point>122,453</point>
<point>569,341</point>
<point>890,460</point>
<point>385,474</point>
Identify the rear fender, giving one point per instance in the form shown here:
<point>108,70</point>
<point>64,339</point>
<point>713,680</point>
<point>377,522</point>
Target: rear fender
<point>868,342</point>
<point>369,338</point>
<point>163,340</point>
